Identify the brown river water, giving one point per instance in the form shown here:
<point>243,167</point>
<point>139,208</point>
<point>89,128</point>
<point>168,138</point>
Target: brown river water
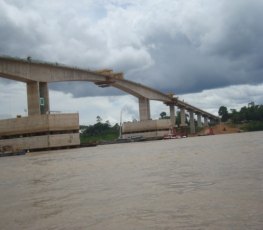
<point>212,182</point>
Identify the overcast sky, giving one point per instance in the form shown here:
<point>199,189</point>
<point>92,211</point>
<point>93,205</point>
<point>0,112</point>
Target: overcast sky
<point>209,52</point>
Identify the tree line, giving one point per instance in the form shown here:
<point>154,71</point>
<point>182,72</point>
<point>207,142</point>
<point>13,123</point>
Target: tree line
<point>246,114</point>
<point>249,118</point>
<point>99,131</point>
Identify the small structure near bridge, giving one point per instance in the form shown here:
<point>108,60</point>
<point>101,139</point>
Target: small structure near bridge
<point>40,131</point>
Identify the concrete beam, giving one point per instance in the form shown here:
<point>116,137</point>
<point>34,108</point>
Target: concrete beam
<point>144,109</point>
<point>25,71</point>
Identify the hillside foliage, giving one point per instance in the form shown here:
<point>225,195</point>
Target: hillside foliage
<point>251,116</point>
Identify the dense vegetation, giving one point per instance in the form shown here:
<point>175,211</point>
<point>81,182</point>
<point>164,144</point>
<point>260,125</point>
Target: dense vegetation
<point>101,131</point>
<point>250,117</point>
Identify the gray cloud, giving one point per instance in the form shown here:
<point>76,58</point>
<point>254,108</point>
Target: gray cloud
<point>228,52</point>
<point>82,89</point>
<point>174,46</point>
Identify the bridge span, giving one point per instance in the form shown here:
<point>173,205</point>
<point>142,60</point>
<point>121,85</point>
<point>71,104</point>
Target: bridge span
<point>37,75</point>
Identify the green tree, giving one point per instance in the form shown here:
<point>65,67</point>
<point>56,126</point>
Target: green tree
<point>235,116</point>
<point>163,115</point>
<point>223,113</point>
<point>99,119</point>
<point>108,123</point>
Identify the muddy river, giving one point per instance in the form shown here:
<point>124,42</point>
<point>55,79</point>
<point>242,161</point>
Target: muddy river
<point>212,182</point>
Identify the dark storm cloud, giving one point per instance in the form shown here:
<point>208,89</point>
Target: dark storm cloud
<point>231,56</point>
<point>174,46</point>
<point>242,30</point>
<point>180,67</point>
<point>82,89</point>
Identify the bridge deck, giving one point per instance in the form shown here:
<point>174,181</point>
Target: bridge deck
<point>28,70</point>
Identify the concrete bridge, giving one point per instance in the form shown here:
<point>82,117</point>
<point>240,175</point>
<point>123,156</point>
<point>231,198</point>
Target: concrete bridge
<point>38,74</point>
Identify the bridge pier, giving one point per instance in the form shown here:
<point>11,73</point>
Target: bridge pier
<point>199,122</point>
<point>37,98</point>
<point>182,114</point>
<point>205,121</point>
<point>144,109</point>
<point>44,96</point>
<point>192,122</point>
<point>33,103</point>
<point>172,115</point>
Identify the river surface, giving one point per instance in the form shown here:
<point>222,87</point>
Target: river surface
<point>212,182</point>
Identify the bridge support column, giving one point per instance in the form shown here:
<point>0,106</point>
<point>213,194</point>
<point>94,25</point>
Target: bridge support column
<point>37,98</point>
<point>182,114</point>
<point>44,97</point>
<point>192,122</point>
<point>172,115</point>
<point>205,121</point>
<point>144,109</point>
<point>199,122</point>
<point>33,103</point>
